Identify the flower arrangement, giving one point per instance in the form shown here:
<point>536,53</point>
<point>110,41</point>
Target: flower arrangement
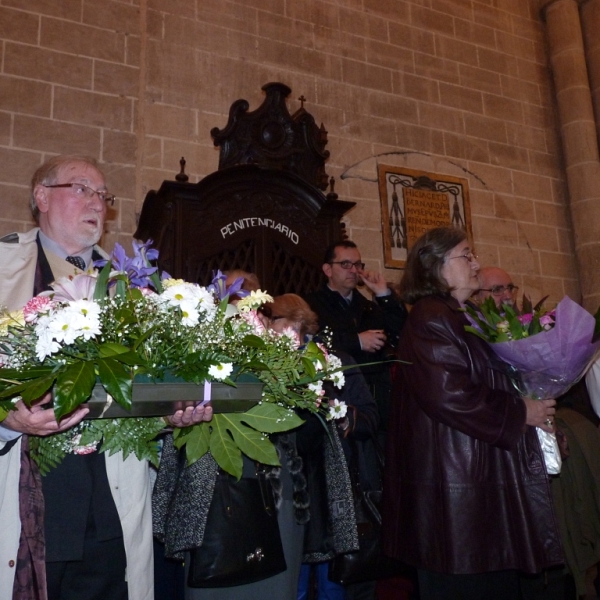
<point>554,345</point>
<point>126,321</point>
<point>505,324</point>
<point>546,352</point>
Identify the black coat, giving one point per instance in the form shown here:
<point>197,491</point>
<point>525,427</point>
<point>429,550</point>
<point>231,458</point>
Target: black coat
<point>345,321</point>
<point>465,486</point>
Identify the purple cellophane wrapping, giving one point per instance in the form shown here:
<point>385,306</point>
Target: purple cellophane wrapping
<point>550,362</point>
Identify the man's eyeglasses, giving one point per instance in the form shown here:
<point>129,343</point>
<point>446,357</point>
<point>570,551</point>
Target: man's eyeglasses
<point>498,290</point>
<point>469,257</point>
<point>85,191</point>
<point>348,264</point>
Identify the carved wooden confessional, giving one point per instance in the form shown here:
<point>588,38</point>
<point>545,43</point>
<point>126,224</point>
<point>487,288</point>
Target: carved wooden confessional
<point>263,211</point>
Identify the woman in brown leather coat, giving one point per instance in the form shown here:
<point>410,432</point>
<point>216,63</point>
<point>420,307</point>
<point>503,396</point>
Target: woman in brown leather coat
<point>466,496</point>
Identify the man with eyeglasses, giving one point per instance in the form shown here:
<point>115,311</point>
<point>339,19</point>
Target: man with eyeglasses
<point>368,330</point>
<point>497,283</point>
<point>83,530</point>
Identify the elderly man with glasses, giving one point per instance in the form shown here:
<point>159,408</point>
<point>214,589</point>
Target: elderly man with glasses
<point>497,283</point>
<point>84,530</point>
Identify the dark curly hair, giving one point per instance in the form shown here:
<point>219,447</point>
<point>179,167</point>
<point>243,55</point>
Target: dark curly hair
<point>423,274</point>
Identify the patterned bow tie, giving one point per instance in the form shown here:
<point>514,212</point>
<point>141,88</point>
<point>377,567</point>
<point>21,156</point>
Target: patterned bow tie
<point>77,261</point>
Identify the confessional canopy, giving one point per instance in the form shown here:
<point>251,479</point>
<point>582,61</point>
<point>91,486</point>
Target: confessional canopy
<point>264,210</point>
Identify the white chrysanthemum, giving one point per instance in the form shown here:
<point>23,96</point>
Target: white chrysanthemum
<point>189,315</point>
<point>220,371</point>
<point>316,387</point>
<point>45,346</point>
<point>61,327</point>
<point>253,300</point>
<point>180,292</point>
<point>338,379</point>
<point>206,303</point>
<point>333,363</point>
<point>337,410</point>
<point>87,327</point>
<point>186,295</point>
<point>86,308</point>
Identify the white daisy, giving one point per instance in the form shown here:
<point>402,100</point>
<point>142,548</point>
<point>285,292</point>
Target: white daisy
<point>220,371</point>
<point>337,409</point>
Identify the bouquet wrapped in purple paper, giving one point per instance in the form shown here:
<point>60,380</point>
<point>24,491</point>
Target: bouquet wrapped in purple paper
<point>547,351</point>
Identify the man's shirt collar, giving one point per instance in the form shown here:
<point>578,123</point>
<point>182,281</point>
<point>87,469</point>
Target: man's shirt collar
<point>52,246</point>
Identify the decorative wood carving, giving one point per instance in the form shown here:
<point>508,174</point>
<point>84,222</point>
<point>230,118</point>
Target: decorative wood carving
<point>269,136</point>
<point>263,211</point>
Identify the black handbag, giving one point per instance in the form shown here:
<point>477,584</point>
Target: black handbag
<point>368,564</point>
<point>241,541</point>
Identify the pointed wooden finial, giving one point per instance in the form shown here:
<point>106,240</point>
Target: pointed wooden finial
<point>181,176</point>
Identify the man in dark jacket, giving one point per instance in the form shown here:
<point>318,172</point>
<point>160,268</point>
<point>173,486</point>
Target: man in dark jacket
<point>368,330</point>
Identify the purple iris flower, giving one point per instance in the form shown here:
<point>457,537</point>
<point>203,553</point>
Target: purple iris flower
<point>138,268</point>
<point>219,286</point>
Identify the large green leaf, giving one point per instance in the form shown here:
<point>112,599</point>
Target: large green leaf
<point>37,388</point>
<point>116,379</point>
<point>253,341</point>
<point>309,367</point>
<point>197,442</point>
<point>271,418</point>
<point>223,448</point>
<point>180,434</point>
<point>112,349</point>
<point>121,353</point>
<point>252,443</point>
<point>73,386</point>
<point>102,282</point>
<point>14,390</point>
<point>30,373</point>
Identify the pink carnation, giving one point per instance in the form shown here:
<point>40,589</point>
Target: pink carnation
<point>323,348</point>
<point>293,335</point>
<point>37,305</point>
<point>547,320</point>
<point>525,319</point>
<point>252,318</point>
<point>146,291</point>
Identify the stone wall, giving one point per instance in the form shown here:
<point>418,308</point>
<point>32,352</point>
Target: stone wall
<point>457,87</point>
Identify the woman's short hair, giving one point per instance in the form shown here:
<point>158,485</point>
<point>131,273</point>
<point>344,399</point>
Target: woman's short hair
<point>293,308</point>
<point>49,172</point>
<point>423,274</point>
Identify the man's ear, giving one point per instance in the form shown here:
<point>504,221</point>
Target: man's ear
<point>40,195</point>
<point>327,269</point>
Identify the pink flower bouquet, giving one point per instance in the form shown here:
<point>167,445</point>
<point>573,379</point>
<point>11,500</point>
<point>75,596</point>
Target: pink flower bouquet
<point>548,351</point>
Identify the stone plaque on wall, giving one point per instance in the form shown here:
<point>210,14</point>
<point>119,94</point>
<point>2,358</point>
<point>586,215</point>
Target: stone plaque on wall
<point>412,202</point>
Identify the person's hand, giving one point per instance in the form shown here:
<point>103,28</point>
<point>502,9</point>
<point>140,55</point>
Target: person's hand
<point>372,340</point>
<point>375,282</point>
<point>37,420</point>
<point>190,416</point>
<point>540,413</point>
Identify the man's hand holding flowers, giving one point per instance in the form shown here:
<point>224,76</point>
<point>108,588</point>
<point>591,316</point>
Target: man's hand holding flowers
<point>39,419</point>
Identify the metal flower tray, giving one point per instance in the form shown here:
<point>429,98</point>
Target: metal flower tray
<point>161,398</point>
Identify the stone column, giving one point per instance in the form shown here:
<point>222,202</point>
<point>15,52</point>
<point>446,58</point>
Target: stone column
<point>590,24</point>
<point>579,141</point>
